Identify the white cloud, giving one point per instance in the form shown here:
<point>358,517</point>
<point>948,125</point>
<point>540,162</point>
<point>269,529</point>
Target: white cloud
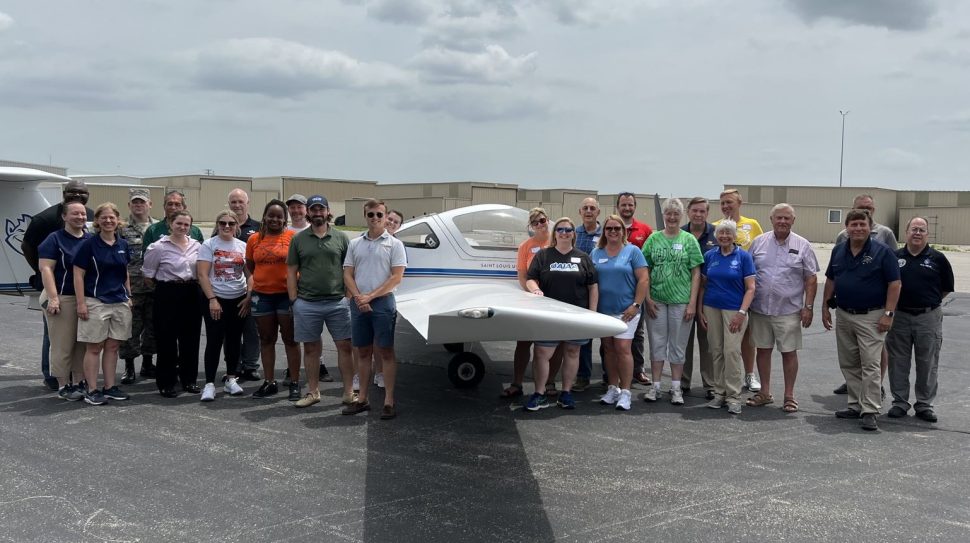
<point>899,159</point>
<point>592,12</point>
<point>277,67</point>
<point>492,66</point>
<point>6,21</point>
<point>476,104</point>
<point>401,11</point>
<point>469,32</point>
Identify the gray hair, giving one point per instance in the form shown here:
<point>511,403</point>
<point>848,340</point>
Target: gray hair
<point>726,224</point>
<point>779,207</point>
<point>672,204</point>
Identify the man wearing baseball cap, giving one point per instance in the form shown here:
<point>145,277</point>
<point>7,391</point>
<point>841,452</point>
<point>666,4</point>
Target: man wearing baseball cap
<point>315,283</point>
<point>142,341</point>
<point>296,206</point>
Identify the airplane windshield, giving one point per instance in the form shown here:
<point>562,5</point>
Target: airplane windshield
<point>494,229</point>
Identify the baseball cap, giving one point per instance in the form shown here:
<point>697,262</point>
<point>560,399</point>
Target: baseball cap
<point>296,198</point>
<point>139,194</point>
<point>317,200</point>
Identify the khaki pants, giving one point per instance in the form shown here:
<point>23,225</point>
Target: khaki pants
<point>725,347</point>
<point>706,365</point>
<point>860,354</point>
<point>67,353</point>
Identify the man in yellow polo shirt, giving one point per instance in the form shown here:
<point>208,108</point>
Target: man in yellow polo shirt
<point>748,229</point>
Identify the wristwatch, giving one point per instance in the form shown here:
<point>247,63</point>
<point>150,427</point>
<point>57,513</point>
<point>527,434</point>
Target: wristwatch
<point>636,305</point>
<point>743,312</point>
<point>889,314</point>
<point>809,307</point>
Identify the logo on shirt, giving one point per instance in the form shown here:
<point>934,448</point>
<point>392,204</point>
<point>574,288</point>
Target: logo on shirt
<point>928,264</point>
<point>902,262</point>
<point>564,267</point>
<point>866,260</point>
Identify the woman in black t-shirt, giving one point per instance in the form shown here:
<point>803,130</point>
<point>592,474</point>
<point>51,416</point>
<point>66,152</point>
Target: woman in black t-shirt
<point>567,274</point>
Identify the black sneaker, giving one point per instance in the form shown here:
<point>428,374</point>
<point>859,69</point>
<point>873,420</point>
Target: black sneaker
<point>51,383</point>
<point>95,397</point>
<point>114,393</point>
<point>848,414</point>
<point>927,414</point>
<point>843,389</point>
<point>266,390</point>
<point>249,375</point>
<point>128,377</point>
<point>869,422</point>
<point>294,392</point>
<point>896,412</point>
<point>286,378</point>
<point>70,393</point>
<point>325,375</point>
<point>147,368</point>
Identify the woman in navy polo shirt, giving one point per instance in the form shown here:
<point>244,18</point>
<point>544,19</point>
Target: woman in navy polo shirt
<point>103,306</point>
<point>727,288</point>
<point>57,271</point>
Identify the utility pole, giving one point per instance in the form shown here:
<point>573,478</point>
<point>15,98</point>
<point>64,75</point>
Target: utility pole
<point>842,153</point>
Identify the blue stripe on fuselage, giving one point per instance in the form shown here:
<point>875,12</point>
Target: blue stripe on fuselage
<point>458,272</point>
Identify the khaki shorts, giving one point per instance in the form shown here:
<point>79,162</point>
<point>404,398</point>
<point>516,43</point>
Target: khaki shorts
<point>104,321</point>
<point>783,332</point>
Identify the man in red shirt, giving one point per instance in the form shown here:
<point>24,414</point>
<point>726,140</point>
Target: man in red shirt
<point>626,208</point>
<point>637,234</point>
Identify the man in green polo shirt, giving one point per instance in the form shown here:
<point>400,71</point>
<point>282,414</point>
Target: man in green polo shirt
<point>174,202</point>
<point>315,284</point>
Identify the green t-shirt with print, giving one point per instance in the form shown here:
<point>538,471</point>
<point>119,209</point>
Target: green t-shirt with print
<point>670,261</point>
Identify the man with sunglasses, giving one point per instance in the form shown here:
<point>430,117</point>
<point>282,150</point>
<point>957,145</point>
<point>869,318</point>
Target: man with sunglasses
<point>373,268</point>
<point>637,234</point>
<point>42,225</point>
<point>142,340</point>
<point>587,235</point>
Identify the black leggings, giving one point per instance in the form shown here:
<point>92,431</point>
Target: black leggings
<point>224,333</point>
<point>178,329</point>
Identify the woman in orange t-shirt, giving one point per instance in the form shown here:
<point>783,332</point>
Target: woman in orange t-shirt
<point>270,304</point>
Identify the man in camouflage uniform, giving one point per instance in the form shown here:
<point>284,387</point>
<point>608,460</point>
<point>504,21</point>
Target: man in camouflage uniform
<point>142,342</point>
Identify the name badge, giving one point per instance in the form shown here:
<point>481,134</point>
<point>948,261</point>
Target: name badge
<point>677,246</point>
<point>596,240</point>
<point>603,260</point>
<point>575,260</point>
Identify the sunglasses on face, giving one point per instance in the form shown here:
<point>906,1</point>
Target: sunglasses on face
<point>227,223</point>
<point>565,229</point>
<point>613,228</point>
<point>372,214</point>
<point>537,222</point>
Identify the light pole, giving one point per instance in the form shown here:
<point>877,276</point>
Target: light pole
<point>842,153</point>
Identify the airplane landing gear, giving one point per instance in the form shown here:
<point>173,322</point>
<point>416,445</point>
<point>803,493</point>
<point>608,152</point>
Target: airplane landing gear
<point>466,370</point>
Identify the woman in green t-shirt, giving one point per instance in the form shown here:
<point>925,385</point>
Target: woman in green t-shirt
<point>674,258</point>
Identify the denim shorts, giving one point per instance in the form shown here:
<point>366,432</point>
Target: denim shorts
<point>556,343</point>
<point>310,316</point>
<point>374,327</point>
<point>261,305</point>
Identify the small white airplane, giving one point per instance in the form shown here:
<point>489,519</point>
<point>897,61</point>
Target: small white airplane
<point>20,199</point>
<point>460,286</point>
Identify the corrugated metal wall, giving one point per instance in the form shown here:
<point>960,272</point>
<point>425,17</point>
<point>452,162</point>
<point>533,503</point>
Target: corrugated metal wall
<point>947,225</point>
<point>118,194</point>
<point>493,195</point>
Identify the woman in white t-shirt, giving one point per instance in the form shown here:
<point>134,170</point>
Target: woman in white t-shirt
<point>226,283</point>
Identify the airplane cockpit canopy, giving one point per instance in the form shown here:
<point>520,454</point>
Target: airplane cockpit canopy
<point>494,229</point>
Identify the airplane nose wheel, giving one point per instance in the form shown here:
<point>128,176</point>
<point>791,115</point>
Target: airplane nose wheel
<point>466,370</point>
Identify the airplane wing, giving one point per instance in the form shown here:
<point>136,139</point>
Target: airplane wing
<point>500,311</point>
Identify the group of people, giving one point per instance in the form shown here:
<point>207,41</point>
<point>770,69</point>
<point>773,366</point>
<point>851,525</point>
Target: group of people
<point>742,293</point>
<point>145,288</point>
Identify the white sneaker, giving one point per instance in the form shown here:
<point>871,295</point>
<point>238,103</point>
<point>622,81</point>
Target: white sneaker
<point>651,395</point>
<point>677,396</point>
<point>752,383</point>
<point>379,380</point>
<point>232,387</point>
<point>623,402</point>
<point>356,382</point>
<point>208,393</point>
<point>734,408</point>
<point>611,396</point>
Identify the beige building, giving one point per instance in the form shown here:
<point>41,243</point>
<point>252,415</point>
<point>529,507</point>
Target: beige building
<point>337,191</point>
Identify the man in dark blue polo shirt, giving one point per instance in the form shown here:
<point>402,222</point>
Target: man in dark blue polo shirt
<point>918,328</point>
<point>587,236</point>
<point>697,211</point>
<point>862,280</point>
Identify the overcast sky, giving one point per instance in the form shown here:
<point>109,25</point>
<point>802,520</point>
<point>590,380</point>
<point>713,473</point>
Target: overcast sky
<point>678,96</point>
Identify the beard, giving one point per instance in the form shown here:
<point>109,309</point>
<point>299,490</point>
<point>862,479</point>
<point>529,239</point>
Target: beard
<point>318,220</point>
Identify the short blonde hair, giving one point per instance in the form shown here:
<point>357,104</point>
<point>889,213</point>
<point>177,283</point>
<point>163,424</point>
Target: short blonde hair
<point>602,242</point>
<point>552,239</point>
<point>107,206</point>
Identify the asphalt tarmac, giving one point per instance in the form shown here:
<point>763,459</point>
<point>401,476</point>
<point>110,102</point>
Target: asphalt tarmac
<point>464,465</point>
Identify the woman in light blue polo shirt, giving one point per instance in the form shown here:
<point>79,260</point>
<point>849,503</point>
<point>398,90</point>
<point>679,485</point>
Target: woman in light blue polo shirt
<point>103,302</point>
<point>623,281</point>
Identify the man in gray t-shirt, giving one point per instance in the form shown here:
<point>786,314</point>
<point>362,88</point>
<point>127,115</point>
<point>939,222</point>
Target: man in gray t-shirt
<point>882,234</point>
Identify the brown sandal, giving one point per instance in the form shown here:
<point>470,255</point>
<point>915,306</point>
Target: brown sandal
<point>514,391</point>
<point>760,399</point>
<point>790,406</point>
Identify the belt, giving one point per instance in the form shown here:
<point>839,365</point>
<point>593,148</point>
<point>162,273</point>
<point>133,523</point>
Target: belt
<point>852,311</point>
<point>917,310</point>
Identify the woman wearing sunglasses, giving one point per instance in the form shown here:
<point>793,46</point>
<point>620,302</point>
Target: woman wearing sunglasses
<point>539,228</point>
<point>225,283</point>
<point>266,253</point>
<point>624,283</point>
<point>567,274</point>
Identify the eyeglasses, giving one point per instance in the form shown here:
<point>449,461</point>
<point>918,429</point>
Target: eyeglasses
<point>537,222</point>
<point>227,223</point>
<point>565,229</point>
<point>613,228</point>
<point>372,214</point>
<point>589,208</point>
<point>918,230</point>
